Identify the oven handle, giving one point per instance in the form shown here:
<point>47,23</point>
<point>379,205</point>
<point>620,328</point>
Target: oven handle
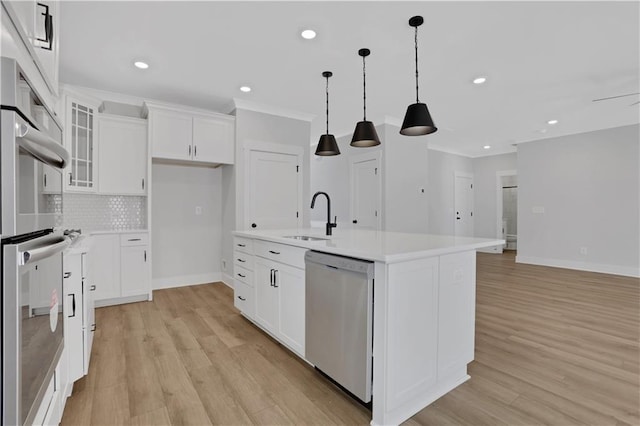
<point>41,146</point>
<point>30,256</point>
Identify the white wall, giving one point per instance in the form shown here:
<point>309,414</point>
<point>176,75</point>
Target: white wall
<point>254,126</point>
<point>588,186</point>
<point>441,195</point>
<point>186,247</point>
<point>485,191</point>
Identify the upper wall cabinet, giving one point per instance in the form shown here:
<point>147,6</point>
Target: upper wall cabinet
<point>80,141</point>
<point>122,155</point>
<point>178,134</point>
<point>31,37</point>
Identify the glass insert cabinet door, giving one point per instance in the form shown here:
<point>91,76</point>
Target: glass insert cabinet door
<point>80,173</point>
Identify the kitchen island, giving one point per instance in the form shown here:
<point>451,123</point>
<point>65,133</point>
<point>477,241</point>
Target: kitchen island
<point>423,309</point>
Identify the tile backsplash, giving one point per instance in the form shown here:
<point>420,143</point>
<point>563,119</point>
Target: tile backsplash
<point>91,212</point>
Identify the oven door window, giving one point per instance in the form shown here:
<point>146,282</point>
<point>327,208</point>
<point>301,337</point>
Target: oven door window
<point>41,326</point>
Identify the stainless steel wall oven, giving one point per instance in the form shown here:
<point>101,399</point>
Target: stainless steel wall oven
<point>31,159</point>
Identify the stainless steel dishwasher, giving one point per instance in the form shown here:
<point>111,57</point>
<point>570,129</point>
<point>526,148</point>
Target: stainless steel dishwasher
<point>339,320</point>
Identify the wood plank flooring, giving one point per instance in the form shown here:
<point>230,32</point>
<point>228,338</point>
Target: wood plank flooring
<point>553,346</point>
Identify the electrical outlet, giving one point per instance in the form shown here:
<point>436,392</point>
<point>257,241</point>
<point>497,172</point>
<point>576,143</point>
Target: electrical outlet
<point>583,251</point>
<point>198,210</point>
<point>538,210</point>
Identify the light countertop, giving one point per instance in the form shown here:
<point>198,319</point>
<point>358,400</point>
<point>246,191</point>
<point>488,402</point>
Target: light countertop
<point>388,247</point>
<point>122,231</point>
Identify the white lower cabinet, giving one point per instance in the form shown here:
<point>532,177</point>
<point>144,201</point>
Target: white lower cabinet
<point>280,301</point>
<point>121,266</point>
<point>79,311</point>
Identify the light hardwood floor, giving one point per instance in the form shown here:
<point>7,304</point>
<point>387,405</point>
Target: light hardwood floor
<point>553,346</point>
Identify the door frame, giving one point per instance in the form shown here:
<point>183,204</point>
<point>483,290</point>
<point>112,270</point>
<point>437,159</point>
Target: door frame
<point>360,158</point>
<point>273,148</point>
<point>499,204</point>
<point>456,175</point>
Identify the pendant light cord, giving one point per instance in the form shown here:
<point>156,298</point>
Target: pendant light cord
<point>327,105</point>
<point>416,42</point>
<point>364,88</point>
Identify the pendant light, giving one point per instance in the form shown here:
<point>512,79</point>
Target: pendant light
<point>365,134</point>
<point>327,145</point>
<point>417,120</point>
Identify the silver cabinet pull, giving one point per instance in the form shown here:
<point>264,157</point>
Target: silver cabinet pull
<point>93,327</point>
<point>142,183</point>
<point>241,260</point>
<point>241,245</point>
<point>241,276</point>
<point>195,150</point>
<point>73,305</point>
<point>274,252</point>
<point>241,298</point>
<point>92,288</point>
<point>275,278</point>
<point>189,150</point>
<point>67,274</point>
<point>145,255</point>
<point>134,239</point>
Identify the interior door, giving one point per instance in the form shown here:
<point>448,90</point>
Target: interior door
<point>275,191</point>
<point>463,205</point>
<point>365,192</point>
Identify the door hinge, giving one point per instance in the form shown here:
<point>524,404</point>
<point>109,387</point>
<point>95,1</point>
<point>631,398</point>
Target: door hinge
<point>297,169</point>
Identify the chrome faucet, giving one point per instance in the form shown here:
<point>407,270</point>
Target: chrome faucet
<point>329,225</point>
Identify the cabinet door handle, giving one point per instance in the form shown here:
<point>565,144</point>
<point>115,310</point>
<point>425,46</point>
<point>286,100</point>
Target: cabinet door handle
<point>67,274</point>
<point>241,298</point>
<point>241,245</point>
<point>70,178</point>
<point>275,278</point>
<point>134,239</point>
<point>93,327</point>
<point>145,255</point>
<point>241,276</point>
<point>142,183</point>
<point>92,288</point>
<point>73,305</point>
<point>274,252</point>
<point>195,150</point>
<point>45,180</point>
<point>271,278</point>
<point>189,150</point>
<point>241,260</point>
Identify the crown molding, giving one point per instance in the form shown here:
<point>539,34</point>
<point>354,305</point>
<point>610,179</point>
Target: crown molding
<point>268,109</point>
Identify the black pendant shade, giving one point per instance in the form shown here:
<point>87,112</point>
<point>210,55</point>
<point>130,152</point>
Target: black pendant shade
<point>417,120</point>
<point>365,134</point>
<point>327,145</point>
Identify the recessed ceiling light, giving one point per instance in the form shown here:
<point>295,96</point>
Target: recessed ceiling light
<point>245,89</point>
<point>552,122</point>
<point>141,65</point>
<point>479,80</point>
<point>487,146</point>
<point>308,34</point>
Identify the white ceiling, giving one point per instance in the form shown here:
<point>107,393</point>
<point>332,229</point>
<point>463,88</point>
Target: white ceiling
<point>543,60</point>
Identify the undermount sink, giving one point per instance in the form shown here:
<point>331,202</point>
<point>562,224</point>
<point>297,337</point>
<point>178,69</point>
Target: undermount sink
<point>305,238</point>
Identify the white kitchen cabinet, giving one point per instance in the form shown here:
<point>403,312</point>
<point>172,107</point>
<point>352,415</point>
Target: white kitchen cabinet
<point>179,134</point>
<point>243,277</point>
<point>121,264</point>
<point>122,155</point>
<point>80,141</point>
<point>134,272</point>
<point>105,265</point>
<point>280,295</point>
<point>79,314</point>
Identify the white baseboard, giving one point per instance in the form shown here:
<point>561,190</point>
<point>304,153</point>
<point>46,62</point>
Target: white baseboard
<point>227,279</point>
<point>581,266</point>
<point>186,280</point>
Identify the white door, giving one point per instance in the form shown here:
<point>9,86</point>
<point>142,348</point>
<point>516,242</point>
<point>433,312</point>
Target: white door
<point>463,205</point>
<point>275,191</point>
<point>366,186</point>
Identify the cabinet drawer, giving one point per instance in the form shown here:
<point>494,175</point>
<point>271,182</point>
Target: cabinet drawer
<point>283,253</point>
<point>243,260</point>
<point>138,239</point>
<point>243,274</point>
<point>243,298</point>
<point>242,244</point>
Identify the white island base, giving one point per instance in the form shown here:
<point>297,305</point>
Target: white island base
<point>423,308</point>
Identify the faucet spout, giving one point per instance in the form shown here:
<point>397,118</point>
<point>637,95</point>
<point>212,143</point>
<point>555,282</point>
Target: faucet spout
<point>329,225</point>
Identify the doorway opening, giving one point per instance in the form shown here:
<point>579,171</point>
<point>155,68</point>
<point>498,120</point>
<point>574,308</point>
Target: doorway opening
<point>508,210</point>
